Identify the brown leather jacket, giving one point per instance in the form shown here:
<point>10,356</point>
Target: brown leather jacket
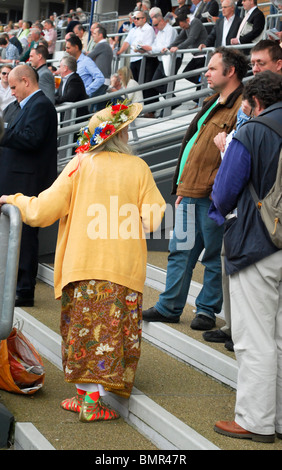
<point>204,157</point>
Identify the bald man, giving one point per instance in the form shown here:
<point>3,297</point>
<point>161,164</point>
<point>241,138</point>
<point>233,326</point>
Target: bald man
<point>28,163</point>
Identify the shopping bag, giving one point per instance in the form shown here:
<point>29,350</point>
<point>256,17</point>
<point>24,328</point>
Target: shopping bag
<point>21,367</point>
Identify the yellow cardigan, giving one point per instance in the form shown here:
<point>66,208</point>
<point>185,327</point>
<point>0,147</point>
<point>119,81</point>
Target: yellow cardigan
<point>105,207</point>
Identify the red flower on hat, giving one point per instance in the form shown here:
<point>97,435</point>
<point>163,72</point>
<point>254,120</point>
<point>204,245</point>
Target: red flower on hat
<point>118,107</point>
<point>83,148</point>
<point>108,130</point>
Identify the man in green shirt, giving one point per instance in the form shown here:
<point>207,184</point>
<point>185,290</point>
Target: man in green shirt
<point>194,231</point>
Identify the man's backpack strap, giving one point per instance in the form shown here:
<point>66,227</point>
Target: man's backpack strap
<point>275,127</point>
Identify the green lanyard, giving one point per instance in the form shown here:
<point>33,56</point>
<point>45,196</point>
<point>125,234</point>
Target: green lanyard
<point>191,142</point>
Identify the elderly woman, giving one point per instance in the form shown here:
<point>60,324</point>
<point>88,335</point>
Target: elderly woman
<point>106,200</point>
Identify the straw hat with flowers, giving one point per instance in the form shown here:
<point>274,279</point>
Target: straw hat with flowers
<point>105,124</point>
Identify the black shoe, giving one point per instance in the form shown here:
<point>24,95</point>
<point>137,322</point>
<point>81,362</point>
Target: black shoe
<point>229,345</point>
<point>202,322</point>
<point>153,315</point>
<point>216,336</point>
<point>24,301</point>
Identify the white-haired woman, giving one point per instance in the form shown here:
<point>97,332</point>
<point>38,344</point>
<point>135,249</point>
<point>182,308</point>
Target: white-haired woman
<point>103,199</point>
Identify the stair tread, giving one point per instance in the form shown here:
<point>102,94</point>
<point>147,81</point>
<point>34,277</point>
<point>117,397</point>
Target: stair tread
<point>191,396</point>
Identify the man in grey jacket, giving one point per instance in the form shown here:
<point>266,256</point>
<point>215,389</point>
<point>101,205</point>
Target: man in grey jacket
<point>192,34</point>
<point>102,54</point>
<point>38,57</point>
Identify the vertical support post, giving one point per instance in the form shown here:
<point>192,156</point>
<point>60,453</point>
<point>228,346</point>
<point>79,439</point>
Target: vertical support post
<point>10,235</point>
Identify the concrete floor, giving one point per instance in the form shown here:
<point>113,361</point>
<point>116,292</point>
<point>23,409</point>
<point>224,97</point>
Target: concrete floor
<point>195,398</point>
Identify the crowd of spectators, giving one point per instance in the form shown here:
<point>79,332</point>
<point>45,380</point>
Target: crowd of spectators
<point>153,29</point>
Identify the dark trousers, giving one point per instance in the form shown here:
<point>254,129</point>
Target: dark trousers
<point>194,64</point>
<point>150,68</point>
<point>135,69</point>
<point>28,262</point>
<point>98,106</point>
<point>159,74</point>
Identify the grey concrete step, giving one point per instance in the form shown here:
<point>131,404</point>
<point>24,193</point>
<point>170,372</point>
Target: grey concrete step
<point>182,385</point>
<point>159,426</point>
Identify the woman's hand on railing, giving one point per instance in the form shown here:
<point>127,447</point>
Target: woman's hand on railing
<point>3,200</point>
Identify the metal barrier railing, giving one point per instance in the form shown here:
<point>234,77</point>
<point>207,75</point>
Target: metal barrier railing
<point>10,235</point>
<point>68,127</point>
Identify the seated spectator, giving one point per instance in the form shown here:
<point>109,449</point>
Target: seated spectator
<point>5,91</point>
<point>225,27</point>
<point>11,36</point>
<point>211,7</point>
<point>35,38</point>
<point>81,32</point>
<point>182,9</point>
<point>81,15</point>
<point>127,81</point>
<point>71,88</point>
<point>91,75</point>
<point>11,51</point>
<point>24,30</point>
<point>50,35</point>
<point>252,25</point>
<point>38,58</point>
<point>115,85</point>
<point>72,21</point>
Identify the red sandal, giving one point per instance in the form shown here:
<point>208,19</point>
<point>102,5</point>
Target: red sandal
<point>96,411</point>
<point>73,404</point>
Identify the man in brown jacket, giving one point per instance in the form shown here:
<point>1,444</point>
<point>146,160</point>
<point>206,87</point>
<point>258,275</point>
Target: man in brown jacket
<point>197,166</point>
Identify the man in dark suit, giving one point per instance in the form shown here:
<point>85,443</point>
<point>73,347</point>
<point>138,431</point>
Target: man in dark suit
<point>252,25</point>
<point>28,164</point>
<point>225,28</point>
<point>71,88</point>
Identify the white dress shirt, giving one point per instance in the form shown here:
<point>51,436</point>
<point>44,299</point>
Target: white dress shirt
<point>226,26</point>
<point>144,35</point>
<point>163,39</point>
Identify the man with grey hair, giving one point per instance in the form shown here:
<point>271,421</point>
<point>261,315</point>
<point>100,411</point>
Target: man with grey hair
<point>143,33</point>
<point>71,88</point>
<point>225,28</point>
<point>160,68</point>
<point>35,38</point>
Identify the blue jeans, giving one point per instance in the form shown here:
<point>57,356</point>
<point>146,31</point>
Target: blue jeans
<point>193,232</point>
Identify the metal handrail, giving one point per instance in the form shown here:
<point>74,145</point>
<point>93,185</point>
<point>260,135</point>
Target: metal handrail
<point>10,252</point>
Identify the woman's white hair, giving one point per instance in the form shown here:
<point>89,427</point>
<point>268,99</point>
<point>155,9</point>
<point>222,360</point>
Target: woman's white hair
<point>115,144</point>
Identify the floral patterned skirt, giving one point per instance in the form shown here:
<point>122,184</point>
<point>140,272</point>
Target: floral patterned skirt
<point>101,334</point>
